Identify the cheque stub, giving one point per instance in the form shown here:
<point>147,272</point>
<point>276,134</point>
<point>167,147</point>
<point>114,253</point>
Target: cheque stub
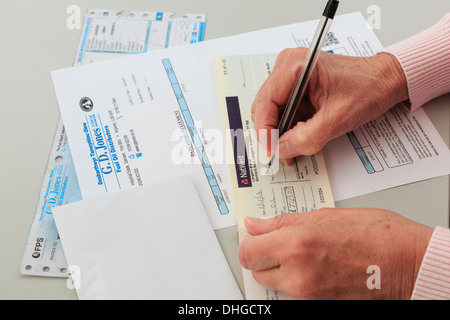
<point>301,187</point>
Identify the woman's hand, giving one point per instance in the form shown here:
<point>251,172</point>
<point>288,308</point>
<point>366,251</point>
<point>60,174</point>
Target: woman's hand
<point>343,93</point>
<point>326,254</point>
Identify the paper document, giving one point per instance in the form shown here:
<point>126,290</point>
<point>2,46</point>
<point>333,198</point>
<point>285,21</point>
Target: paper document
<point>141,129</point>
<point>109,33</point>
<point>178,84</point>
<point>301,187</point>
<point>397,148</point>
<point>152,243</point>
<point>106,34</point>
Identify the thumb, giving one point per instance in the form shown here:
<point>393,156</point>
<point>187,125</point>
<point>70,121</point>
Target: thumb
<point>306,138</point>
<point>257,226</point>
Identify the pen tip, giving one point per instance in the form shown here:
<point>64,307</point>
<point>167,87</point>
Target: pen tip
<point>268,167</point>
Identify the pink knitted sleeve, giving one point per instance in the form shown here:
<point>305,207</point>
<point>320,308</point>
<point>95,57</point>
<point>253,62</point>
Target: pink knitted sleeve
<point>433,280</point>
<point>425,59</point>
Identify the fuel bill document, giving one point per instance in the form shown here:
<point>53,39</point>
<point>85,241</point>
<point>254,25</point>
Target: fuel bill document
<point>106,34</point>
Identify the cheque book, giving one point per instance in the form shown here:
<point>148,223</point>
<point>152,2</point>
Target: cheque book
<point>301,187</point>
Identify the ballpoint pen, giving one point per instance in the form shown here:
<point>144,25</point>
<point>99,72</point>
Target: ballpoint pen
<point>297,93</point>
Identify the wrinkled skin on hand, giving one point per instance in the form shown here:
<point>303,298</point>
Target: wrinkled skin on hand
<point>325,254</point>
<point>343,93</point>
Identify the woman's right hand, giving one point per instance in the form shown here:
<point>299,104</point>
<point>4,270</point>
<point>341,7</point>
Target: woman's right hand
<point>343,93</point>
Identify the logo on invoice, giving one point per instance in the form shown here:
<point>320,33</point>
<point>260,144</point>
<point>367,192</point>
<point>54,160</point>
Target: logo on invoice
<point>86,104</point>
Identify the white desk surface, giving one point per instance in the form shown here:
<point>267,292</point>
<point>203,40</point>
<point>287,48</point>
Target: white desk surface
<point>35,41</point>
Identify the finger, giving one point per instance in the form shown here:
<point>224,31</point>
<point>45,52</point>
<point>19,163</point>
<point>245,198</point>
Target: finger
<point>265,116</point>
<point>270,278</point>
<point>257,226</point>
<point>278,279</point>
<point>275,91</point>
<point>306,138</point>
<point>268,102</point>
<point>266,86</point>
<point>260,252</point>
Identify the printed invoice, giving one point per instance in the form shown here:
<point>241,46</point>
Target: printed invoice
<point>178,88</point>
<point>106,34</point>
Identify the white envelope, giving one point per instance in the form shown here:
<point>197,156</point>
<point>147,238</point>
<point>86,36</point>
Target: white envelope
<point>153,242</point>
